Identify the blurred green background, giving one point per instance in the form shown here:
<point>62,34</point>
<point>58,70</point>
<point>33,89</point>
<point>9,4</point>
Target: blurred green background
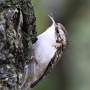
<point>73,70</point>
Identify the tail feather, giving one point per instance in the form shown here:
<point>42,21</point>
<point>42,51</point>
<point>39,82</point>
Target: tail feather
<point>26,81</point>
<point>25,86</point>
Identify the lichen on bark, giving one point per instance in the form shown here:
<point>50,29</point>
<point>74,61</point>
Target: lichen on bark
<point>17,33</point>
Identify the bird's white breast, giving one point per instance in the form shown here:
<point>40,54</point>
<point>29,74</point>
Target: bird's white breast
<point>44,51</point>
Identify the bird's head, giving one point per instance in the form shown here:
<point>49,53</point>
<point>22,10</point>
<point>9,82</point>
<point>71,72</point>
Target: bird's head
<point>60,33</point>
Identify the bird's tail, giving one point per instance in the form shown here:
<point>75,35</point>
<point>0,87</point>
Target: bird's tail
<point>28,76</point>
<point>26,81</point>
<point>25,86</point>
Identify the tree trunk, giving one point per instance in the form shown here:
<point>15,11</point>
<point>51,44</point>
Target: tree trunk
<point>17,33</point>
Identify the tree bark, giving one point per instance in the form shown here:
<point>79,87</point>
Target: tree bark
<point>17,33</point>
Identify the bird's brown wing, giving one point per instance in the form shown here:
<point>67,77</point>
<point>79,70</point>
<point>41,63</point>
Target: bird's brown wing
<point>50,66</point>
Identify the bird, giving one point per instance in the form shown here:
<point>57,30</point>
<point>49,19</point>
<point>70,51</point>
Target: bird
<point>48,50</point>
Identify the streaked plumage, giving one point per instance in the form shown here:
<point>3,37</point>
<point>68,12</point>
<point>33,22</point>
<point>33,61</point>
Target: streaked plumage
<point>48,50</point>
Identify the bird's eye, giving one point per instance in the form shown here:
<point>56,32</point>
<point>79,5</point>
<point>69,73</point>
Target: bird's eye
<point>56,29</point>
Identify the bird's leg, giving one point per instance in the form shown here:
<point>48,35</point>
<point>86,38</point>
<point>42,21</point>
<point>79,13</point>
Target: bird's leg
<point>56,45</point>
<point>34,58</point>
